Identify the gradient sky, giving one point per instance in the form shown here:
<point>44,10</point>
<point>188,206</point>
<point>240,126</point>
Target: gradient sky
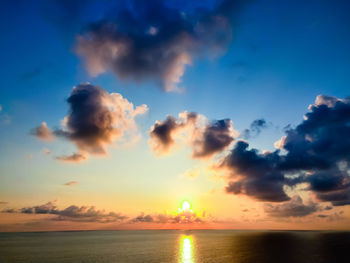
<point>277,58</point>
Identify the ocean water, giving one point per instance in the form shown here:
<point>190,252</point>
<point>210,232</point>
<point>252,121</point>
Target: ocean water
<point>175,246</point>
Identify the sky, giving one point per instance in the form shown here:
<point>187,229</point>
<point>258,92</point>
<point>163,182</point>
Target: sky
<point>113,114</point>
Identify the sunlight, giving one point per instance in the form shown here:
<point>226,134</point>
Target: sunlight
<point>186,206</point>
<point>186,249</point>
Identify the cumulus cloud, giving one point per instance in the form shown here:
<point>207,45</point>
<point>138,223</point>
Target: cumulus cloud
<point>163,133</point>
<point>216,136</point>
<point>204,137</point>
<point>317,152</point>
<point>96,119</point>
<point>43,132</point>
<point>154,40</point>
<point>71,183</point>
<point>255,174</point>
<point>72,213</point>
<point>293,208</point>
<point>255,128</point>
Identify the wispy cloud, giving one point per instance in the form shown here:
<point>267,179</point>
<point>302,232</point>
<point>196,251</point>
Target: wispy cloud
<point>72,213</point>
<point>43,132</point>
<point>71,183</point>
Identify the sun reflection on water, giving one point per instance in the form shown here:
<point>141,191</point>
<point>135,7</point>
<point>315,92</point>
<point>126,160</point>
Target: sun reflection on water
<point>186,249</point>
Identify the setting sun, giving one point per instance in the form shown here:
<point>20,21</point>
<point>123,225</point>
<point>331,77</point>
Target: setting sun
<point>186,206</point>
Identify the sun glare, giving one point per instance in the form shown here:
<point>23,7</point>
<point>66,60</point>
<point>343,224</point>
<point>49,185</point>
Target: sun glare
<point>185,207</point>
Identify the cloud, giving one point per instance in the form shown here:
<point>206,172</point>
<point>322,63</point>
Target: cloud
<point>163,133</point>
<point>142,219</point>
<point>72,213</point>
<point>96,119</point>
<point>73,158</point>
<point>71,183</point>
<point>48,208</point>
<point>46,151</point>
<point>204,137</point>
<point>43,132</point>
<point>316,152</point>
<point>292,208</point>
<point>331,185</point>
<point>89,214</point>
<point>3,203</point>
<point>321,146</point>
<point>254,174</point>
<point>216,136</point>
<point>255,129</point>
<point>186,217</point>
<point>154,40</point>
<point>92,214</point>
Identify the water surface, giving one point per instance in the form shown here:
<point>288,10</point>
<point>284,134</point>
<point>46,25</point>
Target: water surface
<point>175,246</point>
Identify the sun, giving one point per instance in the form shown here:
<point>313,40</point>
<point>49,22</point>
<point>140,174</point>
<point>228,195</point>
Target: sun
<point>185,206</point>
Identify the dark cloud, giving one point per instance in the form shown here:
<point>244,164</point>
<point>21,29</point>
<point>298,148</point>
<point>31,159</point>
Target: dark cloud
<point>89,214</point>
<point>155,40</point>
<point>48,208</point>
<point>316,152</point>
<point>321,146</point>
<point>95,120</point>
<point>255,128</point>
<point>9,210</point>
<point>255,174</point>
<point>321,140</point>
<point>185,217</point>
<point>163,133</point>
<point>205,138</point>
<point>92,214</point>
<point>322,216</point>
<point>217,136</point>
<point>43,132</point>
<point>292,208</point>
<point>72,213</point>
<point>142,219</point>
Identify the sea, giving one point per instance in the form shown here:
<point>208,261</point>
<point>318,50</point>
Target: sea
<point>175,246</point>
